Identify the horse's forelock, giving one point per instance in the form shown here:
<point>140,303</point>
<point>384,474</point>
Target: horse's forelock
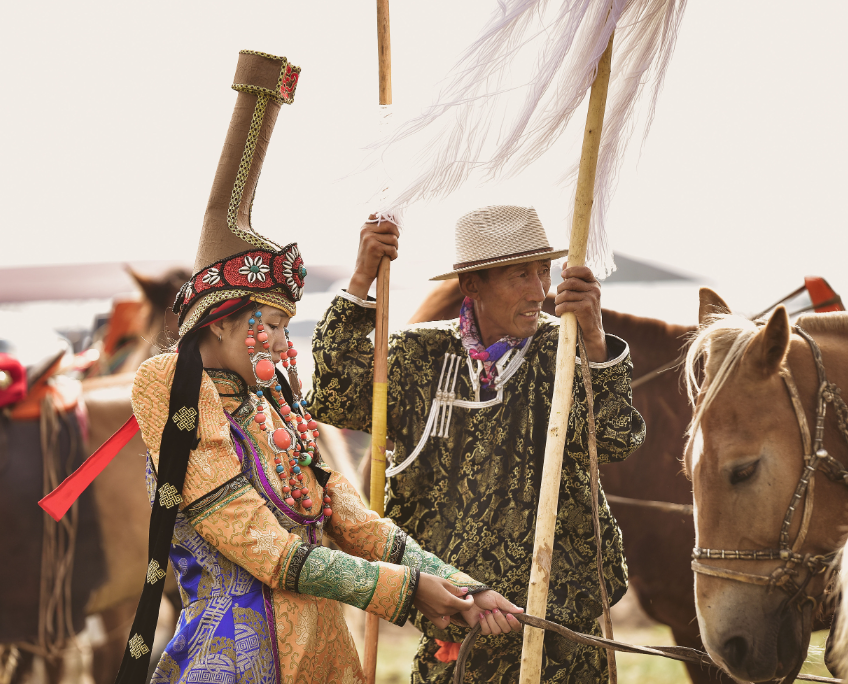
<point>719,344</point>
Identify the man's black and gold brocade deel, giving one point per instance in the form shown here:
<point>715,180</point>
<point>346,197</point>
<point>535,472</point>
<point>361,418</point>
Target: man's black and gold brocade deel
<point>471,498</point>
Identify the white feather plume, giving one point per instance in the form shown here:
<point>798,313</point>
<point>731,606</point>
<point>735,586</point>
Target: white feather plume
<point>485,126</point>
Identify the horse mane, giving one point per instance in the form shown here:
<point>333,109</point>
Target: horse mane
<point>724,338</point>
<point>833,321</point>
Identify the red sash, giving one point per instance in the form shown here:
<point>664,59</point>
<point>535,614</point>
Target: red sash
<point>57,502</point>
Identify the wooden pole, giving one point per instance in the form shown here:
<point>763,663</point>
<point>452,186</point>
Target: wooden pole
<point>381,351</point>
<point>378,442</point>
<point>384,51</point>
<point>537,593</point>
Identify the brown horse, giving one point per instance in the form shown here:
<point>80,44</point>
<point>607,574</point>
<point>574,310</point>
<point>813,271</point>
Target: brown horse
<point>657,540</point>
<point>109,533</point>
<point>139,328</point>
<point>755,445</point>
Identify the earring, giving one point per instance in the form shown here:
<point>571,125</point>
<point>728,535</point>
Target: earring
<point>219,339</point>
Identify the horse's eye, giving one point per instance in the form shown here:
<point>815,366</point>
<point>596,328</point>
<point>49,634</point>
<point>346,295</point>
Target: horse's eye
<point>743,472</point>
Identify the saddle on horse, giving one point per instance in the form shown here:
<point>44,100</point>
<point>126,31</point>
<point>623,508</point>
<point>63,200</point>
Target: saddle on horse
<point>30,373</point>
<point>41,441</point>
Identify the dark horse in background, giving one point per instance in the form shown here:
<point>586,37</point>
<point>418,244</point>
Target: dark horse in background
<point>658,540</point>
<point>50,570</point>
<point>91,563</point>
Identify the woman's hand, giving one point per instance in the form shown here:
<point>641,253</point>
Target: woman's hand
<point>493,612</point>
<point>438,599</point>
<point>376,240</point>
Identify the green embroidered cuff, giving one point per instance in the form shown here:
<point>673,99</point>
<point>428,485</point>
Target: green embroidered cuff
<point>424,561</point>
<point>337,576</point>
<point>416,557</point>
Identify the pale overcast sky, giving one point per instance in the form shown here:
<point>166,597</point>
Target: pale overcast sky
<point>114,115</point>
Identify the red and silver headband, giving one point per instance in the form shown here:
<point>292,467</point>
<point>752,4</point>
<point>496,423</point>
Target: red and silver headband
<point>255,272</point>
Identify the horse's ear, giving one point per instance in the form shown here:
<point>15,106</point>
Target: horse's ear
<point>161,291</point>
<point>766,351</point>
<point>144,283</point>
<point>710,305</point>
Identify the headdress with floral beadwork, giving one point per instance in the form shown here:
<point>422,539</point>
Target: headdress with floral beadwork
<point>235,268</point>
<point>233,260</point>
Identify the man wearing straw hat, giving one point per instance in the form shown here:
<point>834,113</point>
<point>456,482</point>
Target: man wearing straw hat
<point>468,408</point>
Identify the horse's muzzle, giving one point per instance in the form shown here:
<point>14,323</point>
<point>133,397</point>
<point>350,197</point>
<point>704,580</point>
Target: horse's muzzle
<point>777,654</point>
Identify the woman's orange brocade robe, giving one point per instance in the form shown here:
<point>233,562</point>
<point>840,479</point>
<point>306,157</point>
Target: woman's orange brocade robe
<point>229,521</point>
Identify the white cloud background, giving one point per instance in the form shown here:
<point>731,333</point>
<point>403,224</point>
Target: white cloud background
<point>114,115</point>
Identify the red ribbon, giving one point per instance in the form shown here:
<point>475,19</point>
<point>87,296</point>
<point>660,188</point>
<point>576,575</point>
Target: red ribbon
<point>57,502</point>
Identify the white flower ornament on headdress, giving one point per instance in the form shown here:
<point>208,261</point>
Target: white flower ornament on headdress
<point>253,269</point>
<point>294,271</point>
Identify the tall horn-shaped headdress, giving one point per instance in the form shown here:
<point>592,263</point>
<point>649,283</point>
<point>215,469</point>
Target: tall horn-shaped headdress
<point>233,260</point>
<point>241,264</point>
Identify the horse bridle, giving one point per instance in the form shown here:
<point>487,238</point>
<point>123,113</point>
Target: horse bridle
<point>815,457</point>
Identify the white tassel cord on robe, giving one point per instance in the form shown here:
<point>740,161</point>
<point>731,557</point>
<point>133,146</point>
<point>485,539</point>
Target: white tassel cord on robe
<point>499,130</point>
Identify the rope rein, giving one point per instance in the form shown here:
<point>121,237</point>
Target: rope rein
<point>595,486</point>
<point>680,653</point>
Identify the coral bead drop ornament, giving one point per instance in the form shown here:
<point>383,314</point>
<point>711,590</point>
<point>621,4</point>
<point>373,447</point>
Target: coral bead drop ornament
<point>263,364</point>
<point>291,443</point>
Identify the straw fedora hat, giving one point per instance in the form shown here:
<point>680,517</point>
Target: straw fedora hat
<point>499,236</point>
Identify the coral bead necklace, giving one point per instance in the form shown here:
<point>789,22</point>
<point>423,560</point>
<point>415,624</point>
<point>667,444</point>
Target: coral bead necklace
<point>292,442</point>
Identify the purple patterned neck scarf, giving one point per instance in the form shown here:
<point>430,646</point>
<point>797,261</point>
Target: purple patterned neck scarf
<point>472,341</point>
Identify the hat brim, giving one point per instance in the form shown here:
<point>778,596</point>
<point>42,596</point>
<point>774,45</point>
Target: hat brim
<point>503,262</point>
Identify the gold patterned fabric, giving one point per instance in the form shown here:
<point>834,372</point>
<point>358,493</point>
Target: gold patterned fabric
<point>471,498</point>
<point>260,593</point>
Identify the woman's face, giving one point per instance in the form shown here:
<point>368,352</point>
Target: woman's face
<point>230,352</point>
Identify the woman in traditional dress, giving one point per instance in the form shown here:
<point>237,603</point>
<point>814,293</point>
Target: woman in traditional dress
<point>241,498</point>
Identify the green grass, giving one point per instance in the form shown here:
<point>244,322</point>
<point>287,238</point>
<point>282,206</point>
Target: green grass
<point>815,656</point>
<point>398,646</point>
<point>633,668</point>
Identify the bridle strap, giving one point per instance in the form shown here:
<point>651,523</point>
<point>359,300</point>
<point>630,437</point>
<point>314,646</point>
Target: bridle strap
<point>807,445</point>
<point>723,573</point>
<point>800,414</point>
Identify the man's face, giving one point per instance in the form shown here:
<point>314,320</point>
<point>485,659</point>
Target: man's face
<point>508,299</point>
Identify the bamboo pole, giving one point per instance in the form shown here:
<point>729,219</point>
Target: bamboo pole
<point>381,350</point>
<point>537,593</point>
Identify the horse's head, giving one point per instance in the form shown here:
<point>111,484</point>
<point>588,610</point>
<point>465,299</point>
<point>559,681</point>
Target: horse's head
<point>159,294</point>
<point>745,458</point>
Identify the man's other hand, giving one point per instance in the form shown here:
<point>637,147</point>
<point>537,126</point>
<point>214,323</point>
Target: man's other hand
<point>580,293</point>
